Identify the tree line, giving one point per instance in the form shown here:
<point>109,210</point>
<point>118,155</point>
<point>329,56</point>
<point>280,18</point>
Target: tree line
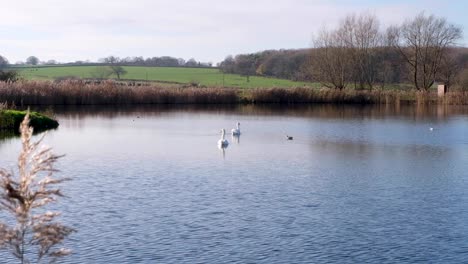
<point>286,64</point>
<point>106,66</point>
<point>164,61</point>
<point>358,53</point>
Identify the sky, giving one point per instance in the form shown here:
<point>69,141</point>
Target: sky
<point>207,30</point>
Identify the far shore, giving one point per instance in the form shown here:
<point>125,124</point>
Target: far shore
<point>29,93</point>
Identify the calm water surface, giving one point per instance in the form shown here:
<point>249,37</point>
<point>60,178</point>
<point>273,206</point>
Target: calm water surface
<point>356,185</point>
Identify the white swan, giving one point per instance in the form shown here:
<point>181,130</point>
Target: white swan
<point>236,131</point>
<point>223,143</point>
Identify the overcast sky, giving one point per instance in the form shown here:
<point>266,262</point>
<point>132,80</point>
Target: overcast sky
<point>206,30</point>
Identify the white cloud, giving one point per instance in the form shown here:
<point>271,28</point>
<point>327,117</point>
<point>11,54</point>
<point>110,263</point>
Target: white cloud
<point>206,29</point>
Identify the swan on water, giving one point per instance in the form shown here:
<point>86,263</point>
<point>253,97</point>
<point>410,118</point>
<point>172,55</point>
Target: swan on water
<point>236,131</point>
<point>223,143</point>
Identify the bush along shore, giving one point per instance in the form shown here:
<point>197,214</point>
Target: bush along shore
<point>10,121</point>
<point>28,93</point>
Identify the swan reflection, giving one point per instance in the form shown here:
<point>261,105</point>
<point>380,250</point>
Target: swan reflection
<point>236,138</point>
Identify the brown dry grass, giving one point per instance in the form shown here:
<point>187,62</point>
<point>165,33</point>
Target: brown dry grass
<point>332,96</point>
<point>110,93</point>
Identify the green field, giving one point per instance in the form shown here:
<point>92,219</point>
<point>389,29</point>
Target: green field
<point>202,76</point>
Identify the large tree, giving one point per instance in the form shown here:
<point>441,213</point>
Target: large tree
<point>423,43</point>
<point>118,70</point>
<point>362,38</point>
<point>331,60</point>
<point>32,60</point>
<point>352,53</point>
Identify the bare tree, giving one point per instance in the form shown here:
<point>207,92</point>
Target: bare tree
<point>449,68</point>
<point>362,38</point>
<point>118,70</point>
<point>331,60</point>
<point>423,43</point>
<point>110,60</point>
<point>24,198</point>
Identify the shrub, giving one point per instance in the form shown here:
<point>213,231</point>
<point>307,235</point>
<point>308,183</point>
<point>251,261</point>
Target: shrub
<point>9,76</point>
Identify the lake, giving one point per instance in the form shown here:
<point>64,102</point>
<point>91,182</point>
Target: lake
<point>356,185</point>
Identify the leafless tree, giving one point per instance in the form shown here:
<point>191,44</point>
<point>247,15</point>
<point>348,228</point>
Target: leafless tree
<point>362,38</point>
<point>331,59</point>
<point>118,70</point>
<point>24,197</point>
<point>350,53</point>
<point>111,60</point>
<point>423,43</point>
<point>449,69</point>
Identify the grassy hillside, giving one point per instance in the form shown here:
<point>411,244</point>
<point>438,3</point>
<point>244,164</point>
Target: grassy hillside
<point>207,77</point>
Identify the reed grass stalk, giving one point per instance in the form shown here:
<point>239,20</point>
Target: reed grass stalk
<point>31,232</point>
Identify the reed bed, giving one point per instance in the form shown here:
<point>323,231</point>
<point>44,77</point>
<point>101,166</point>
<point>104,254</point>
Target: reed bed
<point>455,98</point>
<point>108,93</point>
<point>26,93</point>
<point>348,96</point>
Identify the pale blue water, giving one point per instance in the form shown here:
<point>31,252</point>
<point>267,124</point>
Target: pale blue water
<point>370,185</point>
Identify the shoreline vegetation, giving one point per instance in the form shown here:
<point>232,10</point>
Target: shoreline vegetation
<point>47,93</point>
<point>10,121</point>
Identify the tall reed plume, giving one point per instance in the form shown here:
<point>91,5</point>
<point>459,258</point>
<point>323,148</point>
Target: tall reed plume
<point>32,233</point>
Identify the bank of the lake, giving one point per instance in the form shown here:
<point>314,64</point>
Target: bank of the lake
<point>10,121</point>
<point>26,93</point>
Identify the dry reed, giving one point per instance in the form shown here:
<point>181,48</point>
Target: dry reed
<point>349,96</point>
<point>32,232</point>
<point>111,93</point>
<point>108,93</point>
